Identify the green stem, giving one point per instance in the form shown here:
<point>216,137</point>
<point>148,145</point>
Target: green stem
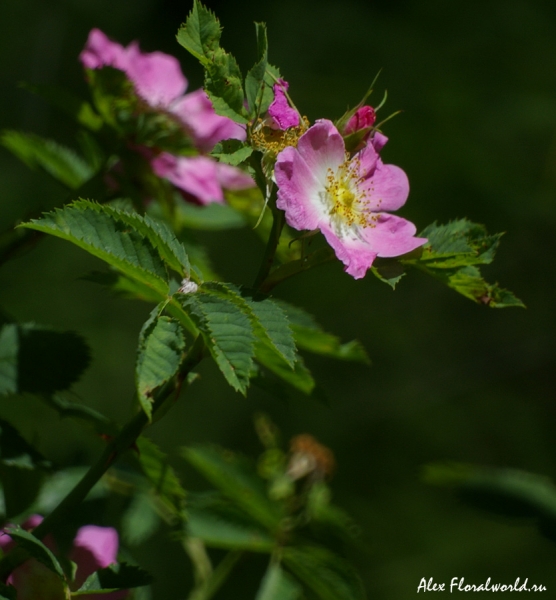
<point>294,267</point>
<point>117,446</point>
<point>270,250</point>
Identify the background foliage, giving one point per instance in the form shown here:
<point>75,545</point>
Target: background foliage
<point>450,380</point>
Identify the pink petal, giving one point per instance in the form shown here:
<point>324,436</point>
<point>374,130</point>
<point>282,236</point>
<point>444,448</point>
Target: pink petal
<point>93,548</point>
<point>231,178</point>
<point>298,190</point>
<point>100,51</point>
<point>196,112</point>
<point>392,236</point>
<point>378,141</point>
<point>195,175</point>
<point>157,77</point>
<point>280,110</point>
<point>322,148</point>
<point>356,254</point>
<point>387,188</point>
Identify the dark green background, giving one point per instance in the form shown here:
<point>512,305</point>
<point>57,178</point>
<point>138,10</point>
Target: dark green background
<point>450,379</point>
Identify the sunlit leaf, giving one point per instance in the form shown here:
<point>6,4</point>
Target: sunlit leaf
<point>35,548</point>
<point>278,585</point>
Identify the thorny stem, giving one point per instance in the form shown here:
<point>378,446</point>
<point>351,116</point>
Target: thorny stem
<point>117,446</point>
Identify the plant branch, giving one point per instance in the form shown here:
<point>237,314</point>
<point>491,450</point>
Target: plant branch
<point>116,447</point>
<point>271,246</point>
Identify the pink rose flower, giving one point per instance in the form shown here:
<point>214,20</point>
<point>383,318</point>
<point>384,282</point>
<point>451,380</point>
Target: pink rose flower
<point>158,79</point>
<point>319,187</point>
<point>93,548</point>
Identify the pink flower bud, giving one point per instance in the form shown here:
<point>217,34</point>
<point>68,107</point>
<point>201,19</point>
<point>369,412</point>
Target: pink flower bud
<point>363,117</point>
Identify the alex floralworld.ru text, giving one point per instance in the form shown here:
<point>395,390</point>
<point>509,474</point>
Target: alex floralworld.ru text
<point>457,584</point>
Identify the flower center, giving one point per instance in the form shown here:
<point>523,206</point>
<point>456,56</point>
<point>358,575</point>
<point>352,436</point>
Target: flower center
<point>273,141</point>
<point>348,203</point>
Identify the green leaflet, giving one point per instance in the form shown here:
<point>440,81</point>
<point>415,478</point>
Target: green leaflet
<point>40,360</point>
<point>162,477</point>
<point>227,332</point>
<point>237,481</point>
<point>64,164</point>
<point>115,577</point>
<point>161,345</point>
<point>105,232</point>
<point>506,492</point>
<point>36,549</point>
<point>278,585</point>
<point>310,336</point>
<point>452,255</point>
<point>254,79</point>
<point>200,35</point>
<point>327,574</point>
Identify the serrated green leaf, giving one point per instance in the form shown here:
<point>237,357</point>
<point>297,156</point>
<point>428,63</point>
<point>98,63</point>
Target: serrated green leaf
<point>272,75</point>
<point>299,377</point>
<point>219,530</point>
<point>35,548</point>
<point>115,577</point>
<point>309,336</point>
<point>223,84</point>
<point>200,34</point>
<point>278,585</point>
<point>388,270</point>
<point>164,481</point>
<point>40,360</point>
<point>227,332</point>
<point>161,345</point>
<point>232,152</point>
<point>64,164</point>
<point>95,229</point>
<point>254,79</point>
<point>160,236</point>
<point>237,481</point>
<point>327,574</point>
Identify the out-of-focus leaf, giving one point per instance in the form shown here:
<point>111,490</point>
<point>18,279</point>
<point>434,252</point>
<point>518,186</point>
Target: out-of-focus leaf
<point>309,336</point>
<point>213,217</point>
<point>140,520</point>
<point>62,163</point>
<point>278,585</point>
<point>327,574</point>
<point>161,345</point>
<point>22,470</point>
<point>7,592</point>
<point>237,481</point>
<point>35,548</point>
<point>40,360</point>
<point>299,377</point>
<point>162,477</point>
<point>507,492</point>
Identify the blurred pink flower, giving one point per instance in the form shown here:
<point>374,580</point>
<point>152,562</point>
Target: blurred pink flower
<point>158,79</point>
<point>283,115</point>
<point>320,187</point>
<point>93,548</point>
